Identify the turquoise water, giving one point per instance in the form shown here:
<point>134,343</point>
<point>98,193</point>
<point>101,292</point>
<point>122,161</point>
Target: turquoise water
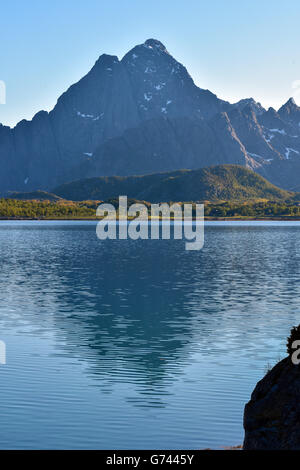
<point>139,344</point>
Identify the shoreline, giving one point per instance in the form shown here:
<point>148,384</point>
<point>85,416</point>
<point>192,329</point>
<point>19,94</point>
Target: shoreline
<point>206,219</point>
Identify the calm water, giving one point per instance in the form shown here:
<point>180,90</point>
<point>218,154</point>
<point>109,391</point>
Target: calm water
<point>139,344</point>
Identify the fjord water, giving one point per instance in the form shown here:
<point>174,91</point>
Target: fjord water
<point>139,344</point>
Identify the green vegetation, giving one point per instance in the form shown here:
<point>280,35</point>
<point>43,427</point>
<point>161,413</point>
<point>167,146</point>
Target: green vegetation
<point>259,209</point>
<point>62,209</point>
<point>34,209</point>
<point>228,191</point>
<point>222,182</point>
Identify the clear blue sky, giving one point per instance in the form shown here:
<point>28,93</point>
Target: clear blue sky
<point>235,48</point>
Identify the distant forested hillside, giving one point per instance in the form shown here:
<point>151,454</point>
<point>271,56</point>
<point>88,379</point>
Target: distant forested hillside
<point>222,182</point>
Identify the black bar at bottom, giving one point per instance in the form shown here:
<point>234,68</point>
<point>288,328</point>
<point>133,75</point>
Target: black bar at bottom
<point>145,458</point>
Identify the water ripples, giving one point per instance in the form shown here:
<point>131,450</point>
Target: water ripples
<point>139,344</point>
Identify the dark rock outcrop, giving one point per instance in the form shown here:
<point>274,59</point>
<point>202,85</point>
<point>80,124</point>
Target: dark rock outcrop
<point>272,416</point>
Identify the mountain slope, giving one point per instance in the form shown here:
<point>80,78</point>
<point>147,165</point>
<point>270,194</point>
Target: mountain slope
<point>34,195</point>
<point>144,114</point>
<point>168,144</point>
<point>113,97</point>
<point>222,182</point>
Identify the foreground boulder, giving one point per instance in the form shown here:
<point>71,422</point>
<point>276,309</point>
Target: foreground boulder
<point>272,416</point>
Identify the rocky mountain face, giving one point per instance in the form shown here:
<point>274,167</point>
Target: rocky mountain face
<point>144,114</point>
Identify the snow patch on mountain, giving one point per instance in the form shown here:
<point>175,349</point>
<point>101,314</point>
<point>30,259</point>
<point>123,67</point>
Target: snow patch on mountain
<point>255,155</point>
<point>280,131</point>
<point>269,137</point>
<point>150,69</point>
<point>288,151</point>
<point>85,115</point>
<point>90,116</point>
<point>159,86</point>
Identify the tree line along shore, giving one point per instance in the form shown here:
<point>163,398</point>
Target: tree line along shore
<point>11,209</point>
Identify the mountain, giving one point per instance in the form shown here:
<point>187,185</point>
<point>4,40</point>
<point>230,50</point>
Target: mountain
<point>222,182</point>
<point>290,112</point>
<point>34,195</point>
<point>144,114</point>
<point>250,102</point>
<point>165,144</point>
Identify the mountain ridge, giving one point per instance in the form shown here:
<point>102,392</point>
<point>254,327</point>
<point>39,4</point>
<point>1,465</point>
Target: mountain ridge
<point>221,182</point>
<point>144,113</point>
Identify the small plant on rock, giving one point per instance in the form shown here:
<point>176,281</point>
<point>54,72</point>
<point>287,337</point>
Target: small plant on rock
<point>294,336</point>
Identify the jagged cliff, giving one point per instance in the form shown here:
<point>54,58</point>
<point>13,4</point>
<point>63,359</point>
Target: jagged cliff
<point>144,114</point>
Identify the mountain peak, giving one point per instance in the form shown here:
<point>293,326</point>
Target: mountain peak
<point>105,60</point>
<point>155,44</point>
<point>272,113</point>
<point>256,107</point>
<point>290,110</point>
<point>289,105</point>
<point>150,48</point>
<point>291,102</point>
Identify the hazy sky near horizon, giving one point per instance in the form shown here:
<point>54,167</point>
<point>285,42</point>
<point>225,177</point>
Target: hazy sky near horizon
<point>235,49</point>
